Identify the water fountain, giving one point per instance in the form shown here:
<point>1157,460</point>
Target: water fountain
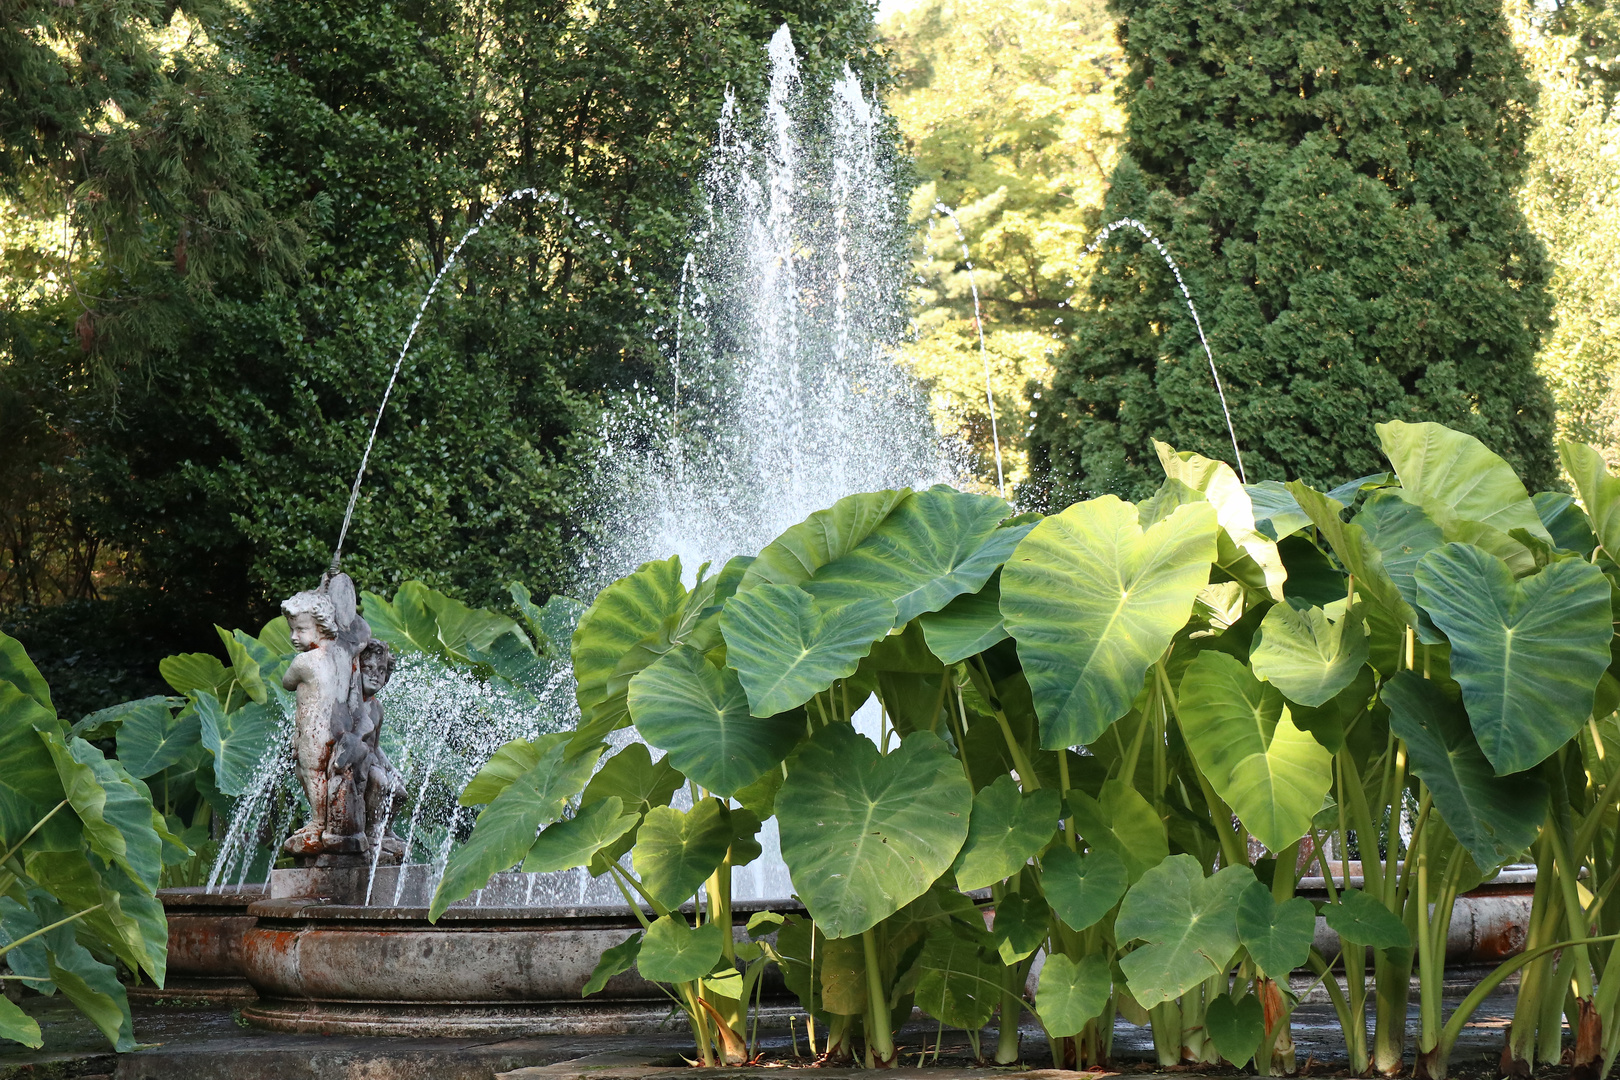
<point>786,397</point>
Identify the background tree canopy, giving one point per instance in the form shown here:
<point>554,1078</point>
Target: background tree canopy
<point>218,222</point>
<point>1338,185</point>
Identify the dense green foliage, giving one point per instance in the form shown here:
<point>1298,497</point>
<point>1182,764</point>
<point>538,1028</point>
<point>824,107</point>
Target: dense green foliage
<point>1338,184</point>
<point>207,454</point>
<point>1138,725</point>
<point>82,851</point>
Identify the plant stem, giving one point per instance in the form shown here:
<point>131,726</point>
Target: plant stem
<point>47,929</point>
<point>879,1038</point>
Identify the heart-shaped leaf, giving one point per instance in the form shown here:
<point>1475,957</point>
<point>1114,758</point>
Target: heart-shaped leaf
<point>933,547</point>
<point>187,672</point>
<point>1122,822</point>
<point>1452,475</point>
<point>1277,935</point>
<point>821,538</point>
<point>673,952</point>
<point>865,834</point>
<point>505,831</point>
<point>1083,888</point>
<point>1306,655</point>
<point>615,961</point>
<point>152,737</point>
<point>571,843</point>
<point>1528,654</point>
<point>1236,1027</point>
<point>956,984</point>
<point>1276,511</point>
<point>631,609</point>
<point>240,740</point>
<point>1187,923</point>
<point>1005,830</point>
<point>1022,921</point>
<point>966,626</point>
<point>786,648</point>
<point>677,850</point>
<point>115,808</point>
<point>29,786</point>
<point>698,712</point>
<point>245,664</point>
<point>1495,817</point>
<point>511,761</point>
<point>1072,993</point>
<point>18,670</point>
<point>1093,601</point>
<point>1272,774</point>
<point>1359,918</point>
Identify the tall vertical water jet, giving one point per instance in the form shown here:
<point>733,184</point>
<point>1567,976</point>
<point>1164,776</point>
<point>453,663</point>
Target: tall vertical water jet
<point>790,395</point>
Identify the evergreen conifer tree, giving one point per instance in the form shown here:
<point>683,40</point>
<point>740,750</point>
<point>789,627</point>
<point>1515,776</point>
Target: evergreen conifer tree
<point>1337,181</point>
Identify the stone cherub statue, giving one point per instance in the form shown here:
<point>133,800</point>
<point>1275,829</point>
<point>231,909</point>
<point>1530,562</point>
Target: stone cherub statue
<point>352,788</point>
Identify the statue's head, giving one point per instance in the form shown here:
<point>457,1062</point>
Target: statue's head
<point>311,619</point>
<point>376,665</point>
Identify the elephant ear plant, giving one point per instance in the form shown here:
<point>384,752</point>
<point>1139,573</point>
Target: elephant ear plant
<point>81,851</point>
<point>1110,743</point>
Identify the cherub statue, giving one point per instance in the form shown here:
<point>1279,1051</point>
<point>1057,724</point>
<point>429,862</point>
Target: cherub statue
<point>384,790</point>
<point>328,634</point>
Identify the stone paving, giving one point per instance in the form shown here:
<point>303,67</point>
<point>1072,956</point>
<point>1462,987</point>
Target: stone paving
<point>213,1043</point>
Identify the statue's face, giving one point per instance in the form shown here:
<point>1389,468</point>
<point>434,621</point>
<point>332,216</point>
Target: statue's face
<point>305,632</point>
<point>373,677</point>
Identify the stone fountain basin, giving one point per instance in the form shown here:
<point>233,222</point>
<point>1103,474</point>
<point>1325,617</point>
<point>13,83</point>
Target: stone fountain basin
<point>344,969</point>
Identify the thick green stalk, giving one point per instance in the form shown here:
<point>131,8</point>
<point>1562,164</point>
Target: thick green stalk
<point>1392,983</point>
<point>1430,974</point>
<point>1519,1050</point>
<point>879,1038</point>
<point>1012,1009</point>
<point>1165,1020</point>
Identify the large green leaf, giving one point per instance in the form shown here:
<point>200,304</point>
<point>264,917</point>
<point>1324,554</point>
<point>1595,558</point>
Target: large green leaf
<point>190,672</point>
<point>1306,655</point>
<point>29,786</point>
<point>673,952</point>
<point>1187,924</point>
<point>1022,922</point>
<point>615,961</point>
<point>511,761</point>
<point>1236,1027</point>
<point>1083,888</point>
<point>819,539</point>
<point>786,647</point>
<point>1403,533</point>
<point>244,665</point>
<point>966,626</point>
<point>1359,918</point>
<point>84,980</point>
<point>1495,817</point>
<point>631,609</point>
<point>567,844</point>
<point>1273,775</point>
<point>639,783</point>
<point>1072,993</point>
<point>1276,512</point>
<point>1453,476</point>
<point>1122,822</point>
<point>1528,653</point>
<point>956,984</point>
<point>697,711</point>
<point>18,1026</point>
<point>932,548</point>
<point>1278,934</point>
<point>1356,550</point>
<point>127,919</point>
<point>240,740</point>
<point>505,831</point>
<point>18,670</point>
<point>152,738</point>
<point>1093,601</point>
<point>1234,509</point>
<point>426,620</point>
<point>863,834</point>
<point>1600,491</point>
<point>676,850</point>
<point>1570,527</point>
<point>1006,829</point>
<point>117,816</point>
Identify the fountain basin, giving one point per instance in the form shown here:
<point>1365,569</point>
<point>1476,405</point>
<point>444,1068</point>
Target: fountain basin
<point>343,969</point>
<point>206,934</point>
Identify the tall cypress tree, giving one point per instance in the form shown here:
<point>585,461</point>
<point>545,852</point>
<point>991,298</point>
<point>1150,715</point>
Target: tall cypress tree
<point>1337,182</point>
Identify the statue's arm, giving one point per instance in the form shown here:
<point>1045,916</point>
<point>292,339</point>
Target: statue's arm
<point>298,673</point>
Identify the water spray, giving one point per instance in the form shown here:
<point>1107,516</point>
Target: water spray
<point>1164,253</point>
<point>978,321</point>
